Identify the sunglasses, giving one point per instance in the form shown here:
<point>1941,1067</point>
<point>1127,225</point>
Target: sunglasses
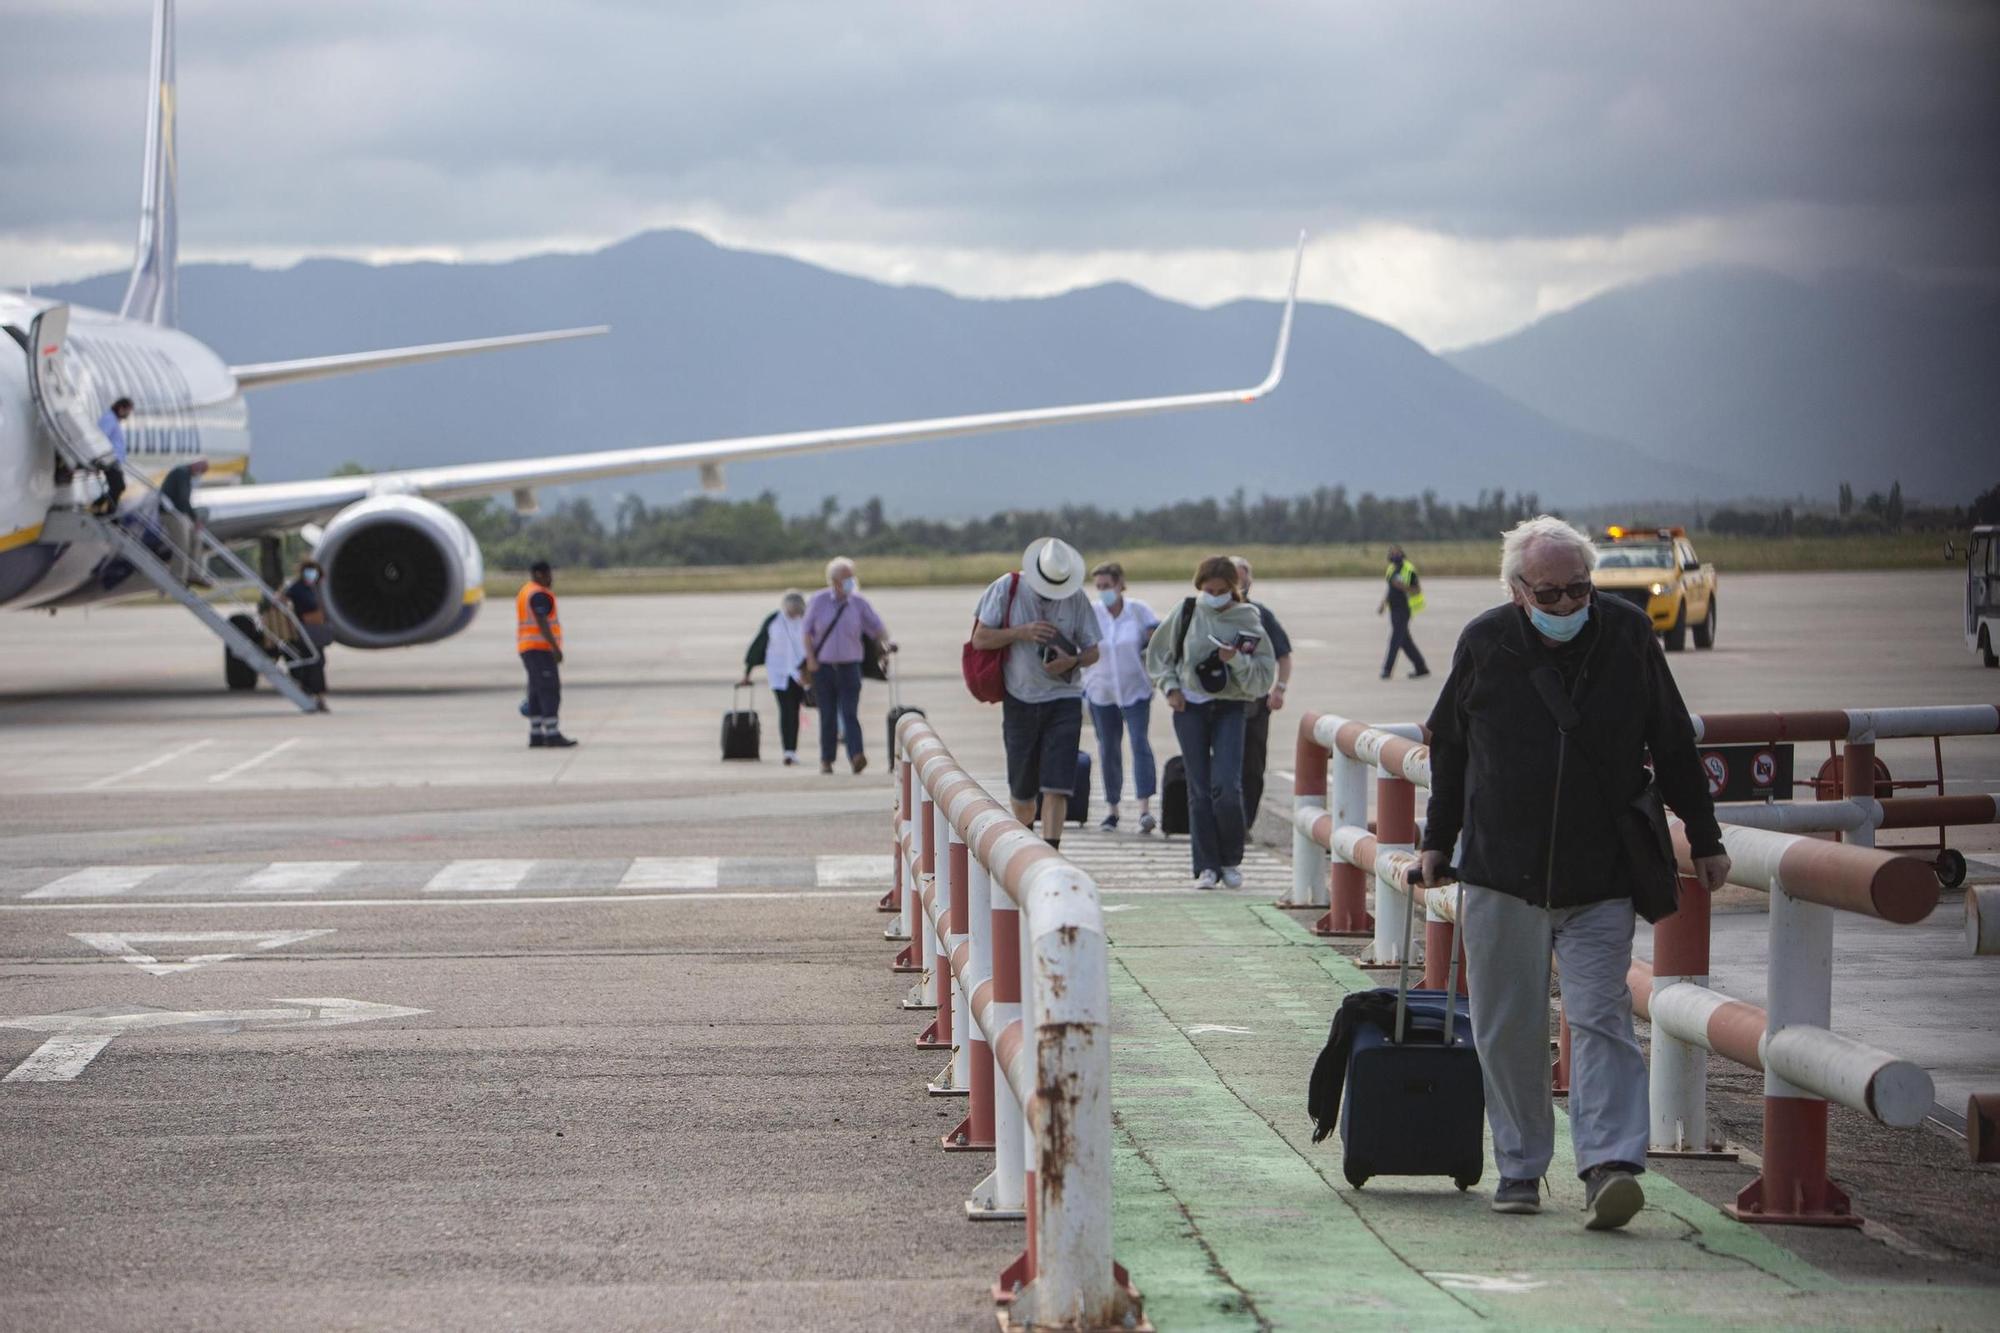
<point>1575,592</point>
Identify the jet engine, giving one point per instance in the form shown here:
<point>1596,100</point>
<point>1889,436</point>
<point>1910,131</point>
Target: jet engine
<point>400,570</point>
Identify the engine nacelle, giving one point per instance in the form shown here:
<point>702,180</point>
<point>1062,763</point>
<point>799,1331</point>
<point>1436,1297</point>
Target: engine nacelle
<point>400,570</point>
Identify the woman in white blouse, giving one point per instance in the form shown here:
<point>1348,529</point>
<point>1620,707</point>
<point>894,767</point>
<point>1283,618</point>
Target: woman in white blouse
<point>780,647</point>
<point>1120,694</point>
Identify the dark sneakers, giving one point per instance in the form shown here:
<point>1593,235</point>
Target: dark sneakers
<point>1518,1196</point>
<point>1611,1196</point>
<point>555,740</point>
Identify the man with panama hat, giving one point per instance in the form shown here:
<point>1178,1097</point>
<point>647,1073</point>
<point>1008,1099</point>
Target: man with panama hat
<point>1042,618</point>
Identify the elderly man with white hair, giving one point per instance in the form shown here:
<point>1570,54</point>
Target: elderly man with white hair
<point>1042,618</point>
<point>1539,745</point>
<point>836,620</point>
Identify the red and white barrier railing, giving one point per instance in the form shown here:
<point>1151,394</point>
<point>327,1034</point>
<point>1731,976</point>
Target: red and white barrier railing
<point>1805,1063</point>
<point>1010,937</point>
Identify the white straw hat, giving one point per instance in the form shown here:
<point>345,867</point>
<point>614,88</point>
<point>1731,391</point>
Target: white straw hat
<point>1052,568</point>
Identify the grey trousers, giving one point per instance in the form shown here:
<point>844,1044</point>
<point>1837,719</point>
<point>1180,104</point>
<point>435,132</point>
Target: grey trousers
<point>1507,945</point>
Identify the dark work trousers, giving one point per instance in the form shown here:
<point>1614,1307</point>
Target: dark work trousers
<point>838,685</point>
<point>1211,737</point>
<point>312,675</point>
<point>1399,639</point>
<point>544,690</point>
<point>789,700</point>
<point>1256,744</point>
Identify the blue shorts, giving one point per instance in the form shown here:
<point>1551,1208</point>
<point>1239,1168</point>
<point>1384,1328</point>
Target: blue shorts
<point>1041,745</point>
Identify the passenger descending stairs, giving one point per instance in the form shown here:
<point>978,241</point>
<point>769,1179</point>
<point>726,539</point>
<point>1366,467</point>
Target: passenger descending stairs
<point>225,600</point>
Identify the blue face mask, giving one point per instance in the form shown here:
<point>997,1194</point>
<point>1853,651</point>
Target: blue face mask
<point>847,586</point>
<point>311,576</point>
<point>1109,596</point>
<point>1560,628</point>
<point>1215,601</point>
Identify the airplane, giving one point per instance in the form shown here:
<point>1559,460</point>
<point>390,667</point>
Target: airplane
<point>400,568</point>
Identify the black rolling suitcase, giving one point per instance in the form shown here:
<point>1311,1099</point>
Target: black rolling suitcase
<point>1174,797</point>
<point>1414,1104</point>
<point>739,729</point>
<point>896,705</point>
<point>1078,812</point>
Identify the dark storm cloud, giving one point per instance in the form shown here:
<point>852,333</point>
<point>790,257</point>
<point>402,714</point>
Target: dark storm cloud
<point>1019,127</point>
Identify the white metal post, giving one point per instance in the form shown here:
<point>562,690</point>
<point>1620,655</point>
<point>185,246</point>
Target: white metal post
<point>958,1075</point>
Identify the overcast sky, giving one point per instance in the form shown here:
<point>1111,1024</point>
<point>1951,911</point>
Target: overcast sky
<point>1463,167</point>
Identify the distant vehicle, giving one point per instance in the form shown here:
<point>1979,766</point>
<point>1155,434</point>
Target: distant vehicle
<point>1982,593</point>
<point>1657,571</point>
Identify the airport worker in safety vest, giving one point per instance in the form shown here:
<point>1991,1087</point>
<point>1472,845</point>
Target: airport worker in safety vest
<point>1539,742</point>
<point>1403,599</point>
<point>538,638</point>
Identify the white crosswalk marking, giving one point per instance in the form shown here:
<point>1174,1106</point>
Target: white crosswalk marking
<point>846,872</point>
<point>294,877</point>
<point>1118,862</point>
<point>479,877</point>
<point>672,872</point>
<point>97,882</point>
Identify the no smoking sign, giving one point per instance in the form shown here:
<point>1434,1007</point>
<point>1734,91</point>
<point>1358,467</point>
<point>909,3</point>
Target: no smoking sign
<point>1747,772</point>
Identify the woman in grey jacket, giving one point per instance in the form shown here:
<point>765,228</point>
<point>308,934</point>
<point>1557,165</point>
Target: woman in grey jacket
<point>1210,658</point>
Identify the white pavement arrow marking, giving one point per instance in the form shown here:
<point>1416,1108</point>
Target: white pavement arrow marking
<point>1201,1028</point>
<point>76,1037</point>
<point>124,944</point>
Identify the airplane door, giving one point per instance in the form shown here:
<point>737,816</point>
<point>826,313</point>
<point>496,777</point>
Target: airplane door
<point>57,395</point>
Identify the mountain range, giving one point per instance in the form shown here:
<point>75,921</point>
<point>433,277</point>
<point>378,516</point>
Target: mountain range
<point>710,342</point>
<point>1793,386</point>
<point>1613,401</point>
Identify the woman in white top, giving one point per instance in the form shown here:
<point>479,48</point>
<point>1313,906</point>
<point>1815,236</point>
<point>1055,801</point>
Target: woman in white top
<point>781,646</point>
<point>1120,694</point>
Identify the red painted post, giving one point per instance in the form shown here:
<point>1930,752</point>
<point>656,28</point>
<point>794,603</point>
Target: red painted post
<point>1347,887</point>
<point>1982,1126</point>
<point>1793,1187</point>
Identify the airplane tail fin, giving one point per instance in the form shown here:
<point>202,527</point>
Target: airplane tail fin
<point>153,294</point>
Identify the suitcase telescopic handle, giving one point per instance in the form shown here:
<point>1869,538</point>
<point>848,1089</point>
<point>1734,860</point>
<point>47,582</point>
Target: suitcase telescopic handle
<point>1410,877</point>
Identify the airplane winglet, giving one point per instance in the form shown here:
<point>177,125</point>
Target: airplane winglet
<point>1284,327</point>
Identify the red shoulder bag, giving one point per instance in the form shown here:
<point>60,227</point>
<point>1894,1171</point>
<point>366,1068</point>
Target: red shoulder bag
<point>985,669</point>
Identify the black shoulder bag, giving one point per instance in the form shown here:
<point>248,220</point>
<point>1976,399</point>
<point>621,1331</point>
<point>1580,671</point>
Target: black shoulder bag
<point>1646,847</point>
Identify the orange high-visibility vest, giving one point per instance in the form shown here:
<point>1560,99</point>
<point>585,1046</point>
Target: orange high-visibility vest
<point>527,634</point>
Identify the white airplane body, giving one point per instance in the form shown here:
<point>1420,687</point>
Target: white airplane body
<point>401,568</point>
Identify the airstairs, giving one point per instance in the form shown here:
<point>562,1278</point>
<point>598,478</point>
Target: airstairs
<point>176,555</point>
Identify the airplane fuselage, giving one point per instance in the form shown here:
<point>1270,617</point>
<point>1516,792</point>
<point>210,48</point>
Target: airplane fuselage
<point>186,405</point>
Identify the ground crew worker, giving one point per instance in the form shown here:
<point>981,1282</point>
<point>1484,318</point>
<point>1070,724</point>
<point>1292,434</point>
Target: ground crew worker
<point>538,638</point>
<point>1403,599</point>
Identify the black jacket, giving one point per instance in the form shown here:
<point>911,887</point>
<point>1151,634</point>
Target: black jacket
<point>1495,748</point>
<point>754,658</point>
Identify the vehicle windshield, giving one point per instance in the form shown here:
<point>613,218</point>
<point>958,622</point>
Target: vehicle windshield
<point>1632,555</point>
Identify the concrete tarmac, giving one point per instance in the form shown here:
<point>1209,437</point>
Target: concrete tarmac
<point>656,1076</point>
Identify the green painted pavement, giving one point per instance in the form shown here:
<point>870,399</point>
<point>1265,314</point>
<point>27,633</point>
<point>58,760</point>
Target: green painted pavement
<point>1230,1217</point>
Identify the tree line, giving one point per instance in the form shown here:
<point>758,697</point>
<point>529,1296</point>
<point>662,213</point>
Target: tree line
<point>1876,513</point>
<point>705,530</point>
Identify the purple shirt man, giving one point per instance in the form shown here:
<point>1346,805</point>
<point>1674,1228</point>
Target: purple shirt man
<point>836,636</point>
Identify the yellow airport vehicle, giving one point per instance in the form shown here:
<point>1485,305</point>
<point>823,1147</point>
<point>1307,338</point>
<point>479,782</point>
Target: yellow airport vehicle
<point>1657,571</point>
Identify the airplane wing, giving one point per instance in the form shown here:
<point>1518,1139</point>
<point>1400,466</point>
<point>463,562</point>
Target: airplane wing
<point>264,374</point>
<point>253,510</point>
